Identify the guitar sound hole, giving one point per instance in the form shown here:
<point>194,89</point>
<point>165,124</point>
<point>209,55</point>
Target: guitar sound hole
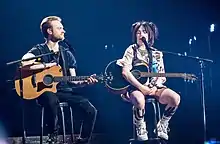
<point>48,79</point>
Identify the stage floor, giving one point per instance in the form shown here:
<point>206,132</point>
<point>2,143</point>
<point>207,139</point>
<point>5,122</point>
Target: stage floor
<point>96,139</point>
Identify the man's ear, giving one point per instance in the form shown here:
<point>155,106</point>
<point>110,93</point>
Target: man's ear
<point>49,31</point>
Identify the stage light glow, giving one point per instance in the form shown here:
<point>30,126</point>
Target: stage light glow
<point>212,27</point>
<point>190,41</point>
<point>194,38</point>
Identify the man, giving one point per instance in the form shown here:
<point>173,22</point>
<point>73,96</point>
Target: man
<point>139,53</point>
<point>53,32</point>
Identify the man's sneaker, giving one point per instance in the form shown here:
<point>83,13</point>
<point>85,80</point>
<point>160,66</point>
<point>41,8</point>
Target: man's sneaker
<point>82,141</point>
<point>162,128</point>
<point>141,130</point>
<point>52,138</point>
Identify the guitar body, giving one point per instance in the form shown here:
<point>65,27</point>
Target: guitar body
<point>118,84</point>
<point>33,82</point>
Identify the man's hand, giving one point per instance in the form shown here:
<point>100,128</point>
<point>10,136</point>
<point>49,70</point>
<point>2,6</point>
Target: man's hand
<point>91,80</point>
<point>48,65</point>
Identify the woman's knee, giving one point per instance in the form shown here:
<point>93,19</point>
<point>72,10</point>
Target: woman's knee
<point>176,99</point>
<point>138,101</point>
<point>170,97</point>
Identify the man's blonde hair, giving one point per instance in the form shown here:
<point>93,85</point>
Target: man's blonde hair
<point>46,23</point>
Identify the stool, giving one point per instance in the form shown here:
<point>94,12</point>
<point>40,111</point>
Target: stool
<point>61,105</point>
<point>157,117</point>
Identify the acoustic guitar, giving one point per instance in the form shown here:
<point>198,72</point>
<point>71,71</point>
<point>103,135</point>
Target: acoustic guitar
<point>119,85</point>
<point>36,82</point>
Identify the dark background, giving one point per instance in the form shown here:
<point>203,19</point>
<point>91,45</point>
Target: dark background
<point>99,30</point>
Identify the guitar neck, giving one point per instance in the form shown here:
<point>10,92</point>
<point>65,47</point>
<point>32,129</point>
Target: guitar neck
<point>146,74</point>
<point>72,78</point>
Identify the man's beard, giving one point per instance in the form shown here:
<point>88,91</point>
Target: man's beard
<point>57,39</point>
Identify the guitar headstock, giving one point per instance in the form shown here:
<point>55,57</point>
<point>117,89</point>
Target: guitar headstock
<point>189,77</point>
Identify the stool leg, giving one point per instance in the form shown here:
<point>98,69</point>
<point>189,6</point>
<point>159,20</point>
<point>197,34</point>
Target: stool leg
<point>159,117</point>
<point>80,131</point>
<point>155,118</point>
<point>93,125</point>
<point>158,110</point>
<point>133,128</point>
<point>72,126</point>
<point>42,126</point>
<point>133,118</point>
<point>63,122</point>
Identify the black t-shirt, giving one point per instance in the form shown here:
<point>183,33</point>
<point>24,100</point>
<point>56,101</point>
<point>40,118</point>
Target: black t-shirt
<point>70,61</point>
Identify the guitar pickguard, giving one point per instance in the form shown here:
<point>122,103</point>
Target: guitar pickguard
<point>41,86</point>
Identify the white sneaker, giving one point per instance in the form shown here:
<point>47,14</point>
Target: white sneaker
<point>141,130</point>
<point>162,128</point>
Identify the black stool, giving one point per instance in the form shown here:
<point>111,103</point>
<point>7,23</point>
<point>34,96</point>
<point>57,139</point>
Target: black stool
<point>157,117</point>
<point>61,105</point>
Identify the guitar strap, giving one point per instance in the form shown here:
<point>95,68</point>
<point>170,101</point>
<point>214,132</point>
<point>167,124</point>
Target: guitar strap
<point>149,55</point>
<point>135,54</point>
<point>40,48</point>
<point>64,62</point>
<point>61,52</point>
<point>150,60</point>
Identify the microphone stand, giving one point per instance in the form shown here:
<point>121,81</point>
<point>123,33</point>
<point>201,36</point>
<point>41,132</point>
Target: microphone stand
<point>21,86</point>
<point>201,64</point>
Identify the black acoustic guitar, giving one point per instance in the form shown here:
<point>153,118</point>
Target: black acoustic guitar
<point>119,85</point>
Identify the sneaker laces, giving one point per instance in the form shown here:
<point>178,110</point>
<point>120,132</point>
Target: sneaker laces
<point>141,128</point>
<point>164,127</point>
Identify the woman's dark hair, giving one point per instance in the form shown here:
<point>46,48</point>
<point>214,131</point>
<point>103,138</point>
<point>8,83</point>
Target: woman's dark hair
<point>150,27</point>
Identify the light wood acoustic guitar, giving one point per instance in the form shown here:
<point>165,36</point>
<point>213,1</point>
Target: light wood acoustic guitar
<point>36,82</point>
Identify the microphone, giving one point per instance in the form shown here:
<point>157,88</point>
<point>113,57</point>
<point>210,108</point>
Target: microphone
<point>143,39</point>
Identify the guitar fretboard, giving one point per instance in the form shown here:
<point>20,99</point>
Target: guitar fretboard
<point>146,74</point>
<point>72,78</point>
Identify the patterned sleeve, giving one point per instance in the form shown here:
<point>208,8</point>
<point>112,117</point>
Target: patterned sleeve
<point>127,58</point>
<point>158,67</point>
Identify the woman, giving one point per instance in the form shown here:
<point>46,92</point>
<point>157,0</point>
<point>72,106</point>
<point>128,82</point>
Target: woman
<point>137,53</point>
